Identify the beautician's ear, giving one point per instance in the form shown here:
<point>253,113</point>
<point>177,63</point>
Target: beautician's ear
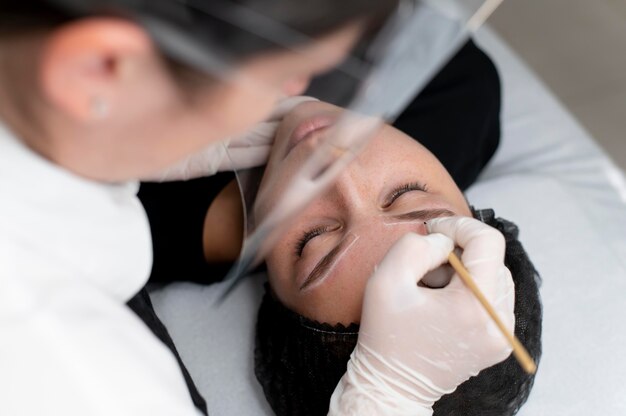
<point>84,65</point>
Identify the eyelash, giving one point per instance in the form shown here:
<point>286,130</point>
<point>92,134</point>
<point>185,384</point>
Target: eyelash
<point>395,194</point>
<point>403,189</point>
<point>308,236</point>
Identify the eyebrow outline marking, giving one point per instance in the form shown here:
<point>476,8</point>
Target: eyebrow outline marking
<point>321,268</point>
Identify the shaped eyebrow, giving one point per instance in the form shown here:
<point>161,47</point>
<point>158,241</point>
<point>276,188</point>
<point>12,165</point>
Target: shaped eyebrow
<point>424,214</point>
<point>322,267</point>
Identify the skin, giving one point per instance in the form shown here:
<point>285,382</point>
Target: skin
<point>355,210</point>
<point>95,97</point>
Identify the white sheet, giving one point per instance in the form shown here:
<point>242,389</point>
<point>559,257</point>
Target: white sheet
<point>569,200</point>
<point>570,203</point>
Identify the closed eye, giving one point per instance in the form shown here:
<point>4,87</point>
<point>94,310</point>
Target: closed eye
<point>309,235</point>
<point>391,197</point>
<point>401,190</point>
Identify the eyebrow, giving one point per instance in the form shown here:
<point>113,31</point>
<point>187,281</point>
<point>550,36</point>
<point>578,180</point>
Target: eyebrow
<point>424,214</point>
<point>321,268</point>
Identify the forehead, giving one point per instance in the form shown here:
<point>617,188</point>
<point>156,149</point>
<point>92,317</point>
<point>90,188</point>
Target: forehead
<point>392,152</point>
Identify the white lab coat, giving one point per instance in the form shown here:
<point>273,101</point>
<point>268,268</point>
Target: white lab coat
<point>72,252</point>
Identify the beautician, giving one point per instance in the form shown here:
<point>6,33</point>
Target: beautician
<point>97,95</point>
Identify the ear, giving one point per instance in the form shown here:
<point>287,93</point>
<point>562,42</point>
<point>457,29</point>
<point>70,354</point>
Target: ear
<point>83,65</point>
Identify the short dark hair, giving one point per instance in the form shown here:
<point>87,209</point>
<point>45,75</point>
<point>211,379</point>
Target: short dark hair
<point>298,362</point>
<point>309,18</point>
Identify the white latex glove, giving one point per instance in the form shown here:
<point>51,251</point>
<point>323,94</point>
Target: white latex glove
<point>417,344</point>
<point>249,150</point>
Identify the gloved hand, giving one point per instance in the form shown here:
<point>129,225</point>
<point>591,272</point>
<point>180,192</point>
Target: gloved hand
<point>417,344</point>
<point>243,152</point>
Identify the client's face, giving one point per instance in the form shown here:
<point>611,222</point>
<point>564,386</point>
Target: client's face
<point>320,266</point>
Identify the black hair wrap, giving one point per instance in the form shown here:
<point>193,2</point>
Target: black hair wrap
<point>299,362</point>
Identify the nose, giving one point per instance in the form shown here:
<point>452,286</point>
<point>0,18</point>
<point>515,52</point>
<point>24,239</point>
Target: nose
<point>353,192</point>
<point>296,85</point>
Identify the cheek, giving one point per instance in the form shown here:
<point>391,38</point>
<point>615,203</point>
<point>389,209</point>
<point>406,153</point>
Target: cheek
<point>296,86</point>
<point>148,98</point>
<point>339,301</point>
<point>233,109</point>
<point>334,304</point>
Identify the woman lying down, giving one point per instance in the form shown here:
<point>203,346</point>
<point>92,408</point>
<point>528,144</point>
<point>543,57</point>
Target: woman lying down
<point>309,320</point>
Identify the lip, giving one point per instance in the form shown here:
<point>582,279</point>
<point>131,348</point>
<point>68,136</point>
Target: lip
<point>307,128</point>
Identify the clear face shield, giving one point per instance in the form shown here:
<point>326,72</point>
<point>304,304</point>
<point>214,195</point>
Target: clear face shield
<point>374,84</point>
<point>384,72</point>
